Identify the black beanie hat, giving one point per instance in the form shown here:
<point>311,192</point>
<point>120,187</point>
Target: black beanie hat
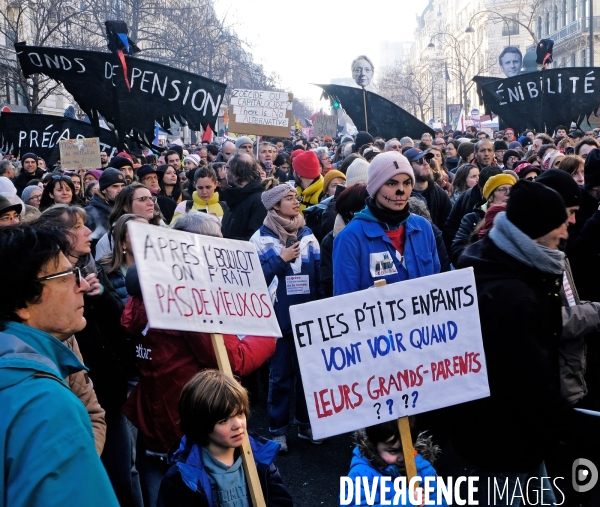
<point>178,149</point>
<point>29,155</point>
<point>510,153</point>
<point>564,184</point>
<point>361,138</point>
<point>119,162</point>
<point>591,170</point>
<point>109,177</point>
<point>535,209</point>
<point>500,145</point>
<point>465,150</point>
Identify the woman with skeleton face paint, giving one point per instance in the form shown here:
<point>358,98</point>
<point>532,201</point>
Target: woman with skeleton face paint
<point>384,241</point>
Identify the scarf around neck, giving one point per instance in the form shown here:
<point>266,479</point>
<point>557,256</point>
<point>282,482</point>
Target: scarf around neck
<point>514,242</point>
<point>283,228</point>
<point>310,195</point>
<point>388,218</point>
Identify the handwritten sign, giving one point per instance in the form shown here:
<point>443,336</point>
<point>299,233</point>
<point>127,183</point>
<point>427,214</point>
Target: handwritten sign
<point>325,125</point>
<point>384,353</point>
<point>260,112</point>
<point>80,153</point>
<point>199,283</point>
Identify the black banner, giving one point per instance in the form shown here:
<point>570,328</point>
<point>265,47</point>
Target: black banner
<point>40,134</point>
<point>542,100</point>
<point>385,118</point>
<point>152,92</point>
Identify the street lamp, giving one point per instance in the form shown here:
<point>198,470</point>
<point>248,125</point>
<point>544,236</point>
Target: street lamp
<point>431,45</point>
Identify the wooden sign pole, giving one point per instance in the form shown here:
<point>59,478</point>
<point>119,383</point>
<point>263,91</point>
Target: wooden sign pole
<point>404,428</point>
<point>366,117</point>
<point>258,499</point>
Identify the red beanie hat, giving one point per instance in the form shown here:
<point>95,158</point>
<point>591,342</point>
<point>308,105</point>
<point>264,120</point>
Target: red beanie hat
<point>307,165</point>
<point>295,153</point>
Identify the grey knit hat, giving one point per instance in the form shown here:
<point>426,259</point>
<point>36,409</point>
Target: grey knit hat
<point>242,140</point>
<point>27,192</point>
<point>274,195</point>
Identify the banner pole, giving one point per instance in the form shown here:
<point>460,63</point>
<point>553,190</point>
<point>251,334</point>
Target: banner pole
<point>366,118</point>
<point>258,499</point>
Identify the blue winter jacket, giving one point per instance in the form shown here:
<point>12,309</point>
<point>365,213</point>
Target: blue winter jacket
<point>363,240</point>
<point>117,279</point>
<point>360,467</point>
<point>46,438</point>
<point>269,249</point>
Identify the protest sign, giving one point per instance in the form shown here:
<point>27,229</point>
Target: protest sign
<point>381,354</point>
<point>263,113</point>
<point>325,125</point>
<point>200,283</point>
<point>76,154</point>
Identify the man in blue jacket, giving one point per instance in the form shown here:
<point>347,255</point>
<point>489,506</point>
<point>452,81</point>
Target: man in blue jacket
<point>46,438</point>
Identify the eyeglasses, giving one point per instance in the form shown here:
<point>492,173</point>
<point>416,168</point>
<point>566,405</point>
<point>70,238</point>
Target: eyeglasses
<point>503,190</point>
<point>35,198</point>
<point>75,271</point>
<point>145,198</point>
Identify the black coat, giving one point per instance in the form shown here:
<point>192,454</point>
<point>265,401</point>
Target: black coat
<point>521,324</point>
<point>438,203</point>
<point>584,255</point>
<point>22,181</point>
<point>466,202</point>
<point>246,211</point>
<point>326,275</point>
<point>463,235</point>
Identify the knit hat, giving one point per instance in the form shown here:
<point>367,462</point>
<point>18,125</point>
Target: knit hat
<point>96,173</point>
<point>242,140</point>
<point>510,153</point>
<point>513,145</point>
<point>123,154</point>
<point>274,195</point>
<point>109,177</point>
<point>500,145</point>
<point>332,175</point>
<point>386,166</point>
<point>357,172</point>
<point>495,181</point>
<point>591,169</point>
<point>194,158</point>
<point>361,138</point>
<point>178,149</point>
<point>6,186</point>
<point>120,162</point>
<point>564,184</point>
<point>509,130</point>
<point>27,191</point>
<point>525,168</point>
<point>535,209</point>
<point>6,206</point>
<point>295,153</point>
<point>465,150</point>
<point>29,155</point>
<point>306,164</point>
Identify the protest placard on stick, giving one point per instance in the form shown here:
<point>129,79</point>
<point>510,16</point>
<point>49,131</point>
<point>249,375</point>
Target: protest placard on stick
<point>325,125</point>
<point>82,153</point>
<point>260,112</point>
<point>377,355</point>
<point>204,284</point>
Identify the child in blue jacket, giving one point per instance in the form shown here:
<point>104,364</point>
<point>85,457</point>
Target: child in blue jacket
<point>207,468</point>
<point>290,257</point>
<point>378,453</point>
<point>384,241</point>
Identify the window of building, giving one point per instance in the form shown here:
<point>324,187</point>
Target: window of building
<point>547,23</point>
<point>563,14</point>
<point>555,19</point>
<point>510,27</point>
<point>574,10</point>
<point>539,27</point>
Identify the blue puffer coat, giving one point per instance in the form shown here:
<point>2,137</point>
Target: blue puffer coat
<point>269,249</point>
<point>117,279</point>
<point>364,242</point>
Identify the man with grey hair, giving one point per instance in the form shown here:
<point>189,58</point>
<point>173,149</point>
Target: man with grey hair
<point>407,142</point>
<point>7,169</point>
<point>196,222</point>
<point>393,145</point>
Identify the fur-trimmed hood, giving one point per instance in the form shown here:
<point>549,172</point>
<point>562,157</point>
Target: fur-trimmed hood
<point>424,446</point>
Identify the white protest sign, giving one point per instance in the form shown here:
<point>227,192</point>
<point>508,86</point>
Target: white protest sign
<point>81,153</point>
<point>383,353</point>
<point>325,125</point>
<point>260,112</point>
<point>200,283</point>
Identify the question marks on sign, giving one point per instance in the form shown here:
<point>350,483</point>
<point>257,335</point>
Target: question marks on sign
<point>405,398</point>
<point>415,395</point>
<point>378,405</point>
<point>389,403</point>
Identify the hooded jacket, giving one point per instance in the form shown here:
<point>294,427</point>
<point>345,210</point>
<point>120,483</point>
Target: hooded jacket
<point>246,211</point>
<point>521,324</point>
<point>366,462</point>
<point>166,361</point>
<point>97,217</point>
<point>45,431</point>
<point>364,239</point>
<point>22,181</point>
<point>186,483</point>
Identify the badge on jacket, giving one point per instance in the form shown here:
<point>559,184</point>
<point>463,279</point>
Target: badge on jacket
<point>382,264</point>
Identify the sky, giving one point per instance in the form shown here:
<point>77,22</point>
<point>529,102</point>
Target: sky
<point>314,41</point>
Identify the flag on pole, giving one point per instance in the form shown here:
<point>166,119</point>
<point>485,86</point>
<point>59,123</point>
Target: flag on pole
<point>226,122</point>
<point>460,124</point>
<point>208,134</point>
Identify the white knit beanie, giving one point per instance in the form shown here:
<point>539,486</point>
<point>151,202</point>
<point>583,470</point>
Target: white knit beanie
<point>194,158</point>
<point>274,195</point>
<point>357,172</point>
<point>384,167</point>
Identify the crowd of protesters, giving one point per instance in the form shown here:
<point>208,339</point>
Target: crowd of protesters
<point>88,389</point>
